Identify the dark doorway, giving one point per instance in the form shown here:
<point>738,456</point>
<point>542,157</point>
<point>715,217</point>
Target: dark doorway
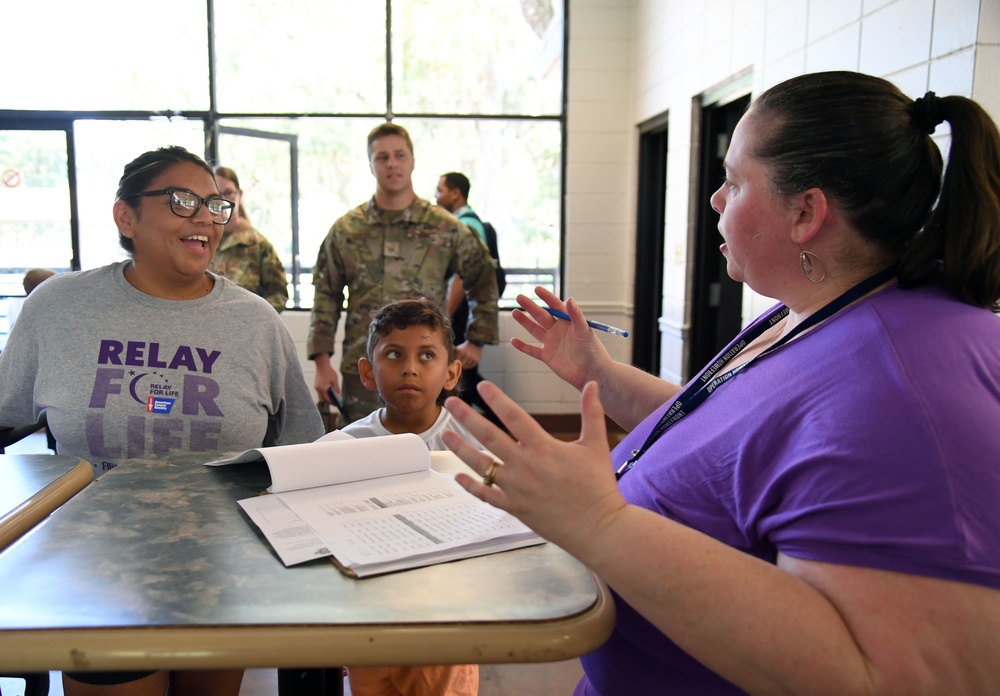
<point>650,222</point>
<point>716,299</point>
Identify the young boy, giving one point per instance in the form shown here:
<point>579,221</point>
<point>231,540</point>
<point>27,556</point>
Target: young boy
<point>412,365</point>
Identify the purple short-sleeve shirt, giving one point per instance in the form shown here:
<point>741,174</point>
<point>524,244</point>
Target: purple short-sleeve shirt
<point>871,441</point>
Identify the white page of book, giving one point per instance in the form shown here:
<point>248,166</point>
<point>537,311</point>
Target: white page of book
<point>260,453</point>
<point>292,539</point>
<point>327,463</point>
<point>339,458</point>
<point>377,521</point>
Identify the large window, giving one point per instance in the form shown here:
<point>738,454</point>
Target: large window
<point>284,92</point>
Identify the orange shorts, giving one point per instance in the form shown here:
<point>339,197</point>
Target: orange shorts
<point>423,680</point>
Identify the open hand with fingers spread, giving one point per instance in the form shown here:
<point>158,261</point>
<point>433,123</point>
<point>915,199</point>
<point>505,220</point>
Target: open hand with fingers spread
<point>571,349</point>
<point>565,491</point>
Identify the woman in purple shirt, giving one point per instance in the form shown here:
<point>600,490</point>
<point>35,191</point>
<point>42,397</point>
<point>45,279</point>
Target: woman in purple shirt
<point>817,511</point>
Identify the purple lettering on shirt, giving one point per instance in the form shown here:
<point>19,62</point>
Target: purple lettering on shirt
<point>183,358</point>
<point>164,437</point>
<point>136,436</point>
<point>154,356</point>
<point>205,436</point>
<point>104,386</point>
<point>143,354</point>
<point>134,353</point>
<point>110,353</point>
<point>200,391</point>
<point>208,359</point>
<point>95,438</point>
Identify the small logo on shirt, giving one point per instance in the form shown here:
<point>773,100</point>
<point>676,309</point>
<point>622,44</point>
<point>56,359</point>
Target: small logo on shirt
<point>156,404</point>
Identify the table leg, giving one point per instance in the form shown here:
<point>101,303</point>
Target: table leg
<point>311,682</point>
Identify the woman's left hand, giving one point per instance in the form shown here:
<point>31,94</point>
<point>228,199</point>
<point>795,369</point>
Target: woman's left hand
<point>565,491</point>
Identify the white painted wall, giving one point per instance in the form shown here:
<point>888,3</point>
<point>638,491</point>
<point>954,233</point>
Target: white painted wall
<point>631,60</point>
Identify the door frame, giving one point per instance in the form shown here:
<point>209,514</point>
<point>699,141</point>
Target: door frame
<point>293,163</point>
<point>647,300</point>
<point>714,305</point>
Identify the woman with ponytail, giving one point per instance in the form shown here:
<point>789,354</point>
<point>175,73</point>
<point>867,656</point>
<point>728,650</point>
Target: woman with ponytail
<point>818,511</point>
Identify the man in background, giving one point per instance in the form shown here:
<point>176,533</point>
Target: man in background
<point>395,246</point>
<point>244,255</point>
<point>453,195</point>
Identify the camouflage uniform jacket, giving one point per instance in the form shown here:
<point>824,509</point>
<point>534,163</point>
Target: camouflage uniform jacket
<point>382,256</point>
<point>249,260</point>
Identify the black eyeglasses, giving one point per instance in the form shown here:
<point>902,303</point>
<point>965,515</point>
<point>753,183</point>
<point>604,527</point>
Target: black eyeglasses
<point>187,204</point>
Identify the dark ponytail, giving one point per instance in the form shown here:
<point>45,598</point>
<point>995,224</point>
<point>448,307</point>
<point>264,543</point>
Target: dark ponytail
<point>963,229</point>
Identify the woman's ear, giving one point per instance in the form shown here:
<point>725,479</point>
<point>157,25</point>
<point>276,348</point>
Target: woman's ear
<point>124,218</point>
<point>367,373</point>
<point>452,376</point>
<point>811,210</point>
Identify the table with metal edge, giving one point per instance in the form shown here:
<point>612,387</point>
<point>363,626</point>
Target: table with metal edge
<point>155,566</point>
<point>32,486</point>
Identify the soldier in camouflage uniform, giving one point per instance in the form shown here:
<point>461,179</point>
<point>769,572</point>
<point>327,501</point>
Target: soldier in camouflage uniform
<point>393,247</point>
<point>244,254</point>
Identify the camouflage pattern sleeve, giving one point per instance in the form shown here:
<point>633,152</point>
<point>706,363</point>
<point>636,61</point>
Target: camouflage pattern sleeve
<point>247,258</point>
<point>329,282</point>
<point>477,269</point>
<point>273,281</point>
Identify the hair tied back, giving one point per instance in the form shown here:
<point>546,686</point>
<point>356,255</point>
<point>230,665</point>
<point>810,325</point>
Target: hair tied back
<point>927,112</point>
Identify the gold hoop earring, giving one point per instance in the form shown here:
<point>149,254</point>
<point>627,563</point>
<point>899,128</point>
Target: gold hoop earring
<point>808,265</point>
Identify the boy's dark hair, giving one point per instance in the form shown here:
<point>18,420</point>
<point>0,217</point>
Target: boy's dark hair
<point>406,313</point>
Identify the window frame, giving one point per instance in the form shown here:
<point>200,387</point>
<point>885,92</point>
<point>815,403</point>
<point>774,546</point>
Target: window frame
<point>212,124</point>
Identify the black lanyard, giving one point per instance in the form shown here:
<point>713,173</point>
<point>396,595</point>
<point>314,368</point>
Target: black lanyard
<point>709,380</point>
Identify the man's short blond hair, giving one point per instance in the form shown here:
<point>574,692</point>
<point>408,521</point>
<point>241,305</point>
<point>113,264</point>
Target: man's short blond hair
<point>388,128</point>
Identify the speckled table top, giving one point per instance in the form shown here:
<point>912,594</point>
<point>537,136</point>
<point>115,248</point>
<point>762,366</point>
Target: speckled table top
<point>163,545</point>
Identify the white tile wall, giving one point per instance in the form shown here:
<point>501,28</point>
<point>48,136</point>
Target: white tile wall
<point>953,74</point>
<point>835,51</point>
<point>952,30</point>
<point>828,17</point>
<point>896,36</point>
<point>911,81</point>
<point>785,29</point>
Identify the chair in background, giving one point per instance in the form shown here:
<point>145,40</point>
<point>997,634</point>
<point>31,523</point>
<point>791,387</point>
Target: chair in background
<point>35,683</point>
<point>9,437</point>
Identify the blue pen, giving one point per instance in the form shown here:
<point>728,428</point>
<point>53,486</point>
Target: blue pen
<point>333,397</point>
<point>592,324</point>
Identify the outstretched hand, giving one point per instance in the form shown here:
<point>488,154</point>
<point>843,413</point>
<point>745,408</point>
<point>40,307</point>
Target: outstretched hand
<point>565,491</point>
<point>571,349</point>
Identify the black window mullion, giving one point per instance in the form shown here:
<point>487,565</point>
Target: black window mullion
<point>388,60</point>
